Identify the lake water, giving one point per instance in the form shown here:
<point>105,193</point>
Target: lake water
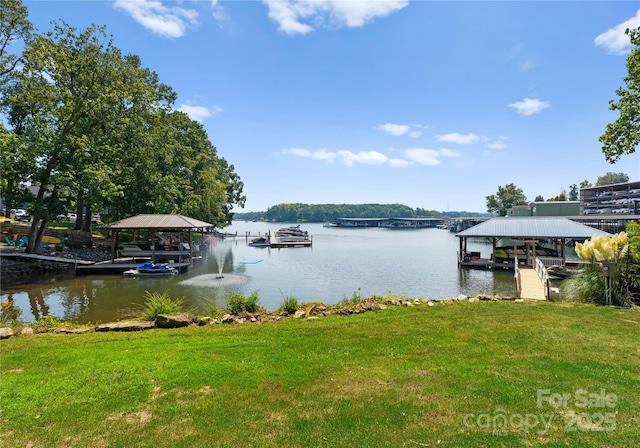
<point>341,262</point>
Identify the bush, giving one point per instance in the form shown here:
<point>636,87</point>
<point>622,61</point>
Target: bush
<point>585,287</point>
<point>237,303</point>
<point>160,303</point>
<point>210,307</point>
<point>289,304</point>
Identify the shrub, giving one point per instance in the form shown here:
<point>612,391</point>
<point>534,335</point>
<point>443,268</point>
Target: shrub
<point>47,322</point>
<point>160,303</point>
<point>237,303</point>
<point>210,307</point>
<point>585,287</point>
<point>355,298</point>
<point>289,304</point>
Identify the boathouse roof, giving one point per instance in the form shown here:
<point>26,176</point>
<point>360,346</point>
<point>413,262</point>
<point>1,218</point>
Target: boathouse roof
<point>163,222</point>
<point>531,227</point>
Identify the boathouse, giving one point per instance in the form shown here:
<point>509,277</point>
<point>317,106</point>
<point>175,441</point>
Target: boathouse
<point>154,224</point>
<point>529,232</point>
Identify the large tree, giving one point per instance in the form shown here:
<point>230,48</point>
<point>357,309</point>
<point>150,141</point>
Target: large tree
<point>67,103</point>
<point>505,198</point>
<point>623,135</point>
<point>612,178</point>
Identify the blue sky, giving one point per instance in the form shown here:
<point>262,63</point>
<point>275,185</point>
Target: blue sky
<point>425,103</point>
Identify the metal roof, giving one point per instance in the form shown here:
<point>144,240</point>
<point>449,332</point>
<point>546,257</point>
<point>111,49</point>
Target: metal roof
<point>164,222</point>
<point>534,227</point>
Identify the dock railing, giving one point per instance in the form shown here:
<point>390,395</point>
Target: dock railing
<point>543,274</point>
<point>516,277</point>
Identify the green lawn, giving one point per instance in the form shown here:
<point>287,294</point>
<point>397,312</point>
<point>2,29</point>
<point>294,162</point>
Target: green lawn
<point>451,375</point>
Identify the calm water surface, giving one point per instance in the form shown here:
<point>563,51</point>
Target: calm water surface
<point>417,263</point>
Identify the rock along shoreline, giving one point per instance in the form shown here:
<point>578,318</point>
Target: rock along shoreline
<point>308,311</point>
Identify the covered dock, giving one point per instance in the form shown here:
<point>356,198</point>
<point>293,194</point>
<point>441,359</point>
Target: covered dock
<point>523,231</point>
<point>155,224</point>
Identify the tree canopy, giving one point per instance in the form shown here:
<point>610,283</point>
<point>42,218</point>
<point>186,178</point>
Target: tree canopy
<point>505,198</point>
<point>623,135</point>
<point>94,130</point>
<point>612,178</point>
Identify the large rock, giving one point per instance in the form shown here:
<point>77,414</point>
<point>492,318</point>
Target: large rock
<point>6,333</point>
<point>126,326</point>
<point>175,321</point>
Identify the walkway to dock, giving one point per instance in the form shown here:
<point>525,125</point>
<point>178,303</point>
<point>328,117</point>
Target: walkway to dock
<point>531,286</point>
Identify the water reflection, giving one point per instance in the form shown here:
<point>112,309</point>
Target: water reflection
<point>417,263</point>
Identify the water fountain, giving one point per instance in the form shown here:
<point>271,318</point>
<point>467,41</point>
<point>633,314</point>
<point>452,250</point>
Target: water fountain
<point>218,247</point>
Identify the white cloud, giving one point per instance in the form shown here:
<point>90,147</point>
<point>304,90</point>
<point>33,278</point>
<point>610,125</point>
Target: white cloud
<point>530,106</point>
<point>198,113</point>
<point>216,10</point>
<point>322,154</point>
<point>415,134</point>
<point>290,14</point>
<point>423,156</point>
<point>615,40</point>
<point>152,14</point>
<point>498,144</point>
<point>367,157</point>
<point>394,129</point>
<point>458,138</point>
<point>445,152</point>
<point>526,65</point>
<point>399,163</point>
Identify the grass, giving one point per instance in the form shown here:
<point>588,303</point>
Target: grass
<point>237,303</point>
<point>404,376</point>
<point>160,303</point>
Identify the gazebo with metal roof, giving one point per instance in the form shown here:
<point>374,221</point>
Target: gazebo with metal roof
<point>528,230</point>
<point>155,223</point>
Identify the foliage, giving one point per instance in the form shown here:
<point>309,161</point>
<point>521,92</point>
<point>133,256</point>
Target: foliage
<point>237,303</point>
<point>574,192</point>
<point>604,248</point>
<point>356,297</point>
<point>585,184</point>
<point>506,197</point>
<point>623,135</point>
<point>587,286</point>
<point>560,198</point>
<point>539,198</point>
<point>612,178</point>
<point>96,131</point>
<point>47,322</point>
<point>14,27</point>
<point>210,307</point>
<point>326,212</point>
<point>289,304</point>
<point>160,303</point>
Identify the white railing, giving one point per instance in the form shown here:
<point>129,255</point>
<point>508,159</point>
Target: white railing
<point>541,270</point>
<point>516,277</point>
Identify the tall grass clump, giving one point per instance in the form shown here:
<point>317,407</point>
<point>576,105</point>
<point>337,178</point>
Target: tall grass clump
<point>355,298</point>
<point>211,307</point>
<point>585,287</point>
<point>160,303</point>
<point>289,304</point>
<point>237,303</point>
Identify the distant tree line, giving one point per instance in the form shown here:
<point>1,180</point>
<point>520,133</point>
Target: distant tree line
<point>298,212</point>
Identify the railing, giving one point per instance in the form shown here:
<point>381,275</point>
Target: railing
<point>541,270</point>
<point>516,277</point>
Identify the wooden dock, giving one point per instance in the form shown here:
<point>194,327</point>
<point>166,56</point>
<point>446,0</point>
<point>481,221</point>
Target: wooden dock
<point>531,287</point>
